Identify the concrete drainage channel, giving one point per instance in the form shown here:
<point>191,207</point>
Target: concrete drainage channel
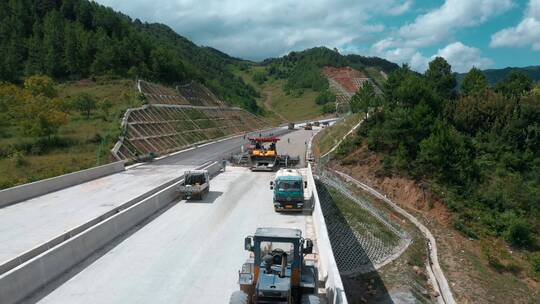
<point>39,266</point>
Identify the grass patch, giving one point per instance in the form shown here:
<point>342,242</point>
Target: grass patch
<point>330,136</point>
<point>280,106</point>
<point>80,144</point>
<point>360,220</point>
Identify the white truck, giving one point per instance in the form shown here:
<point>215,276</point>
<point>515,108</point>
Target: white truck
<point>196,185</point>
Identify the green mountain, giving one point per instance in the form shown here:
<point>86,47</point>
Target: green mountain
<point>495,75</point>
<point>76,39</point>
<point>80,39</point>
<point>302,70</point>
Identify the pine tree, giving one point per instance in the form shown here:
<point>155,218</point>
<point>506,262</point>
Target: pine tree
<point>440,76</point>
<point>474,82</point>
<point>53,44</point>
<point>72,50</point>
<point>36,57</point>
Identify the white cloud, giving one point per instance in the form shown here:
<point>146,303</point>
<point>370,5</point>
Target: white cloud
<point>258,29</point>
<point>527,32</point>
<point>462,58</point>
<point>441,22</point>
<point>400,9</point>
<point>437,26</point>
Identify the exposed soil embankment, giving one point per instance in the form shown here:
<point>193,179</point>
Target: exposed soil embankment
<point>464,261</point>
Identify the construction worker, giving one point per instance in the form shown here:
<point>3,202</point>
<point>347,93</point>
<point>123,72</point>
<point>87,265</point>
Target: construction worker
<point>224,164</point>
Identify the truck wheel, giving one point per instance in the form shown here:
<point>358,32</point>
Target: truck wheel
<point>238,297</point>
<point>310,299</point>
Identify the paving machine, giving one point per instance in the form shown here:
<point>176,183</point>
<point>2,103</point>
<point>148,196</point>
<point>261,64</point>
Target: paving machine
<point>263,155</point>
<point>196,185</point>
<point>277,270</point>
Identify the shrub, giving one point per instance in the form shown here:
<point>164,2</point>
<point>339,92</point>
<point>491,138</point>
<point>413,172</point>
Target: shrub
<point>494,262</point>
<point>325,97</point>
<point>344,148</point>
<point>96,139</point>
<point>519,233</point>
<point>535,264</point>
<point>18,159</point>
<point>459,224</point>
<point>259,77</point>
<point>329,108</point>
<point>85,104</point>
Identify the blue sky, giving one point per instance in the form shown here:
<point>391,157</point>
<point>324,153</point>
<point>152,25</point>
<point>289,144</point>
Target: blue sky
<point>481,33</point>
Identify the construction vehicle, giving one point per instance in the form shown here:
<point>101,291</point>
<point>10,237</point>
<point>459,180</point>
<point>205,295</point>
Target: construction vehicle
<point>263,155</point>
<point>308,126</point>
<point>316,123</point>
<point>291,126</point>
<point>196,185</point>
<point>288,187</point>
<point>277,270</point>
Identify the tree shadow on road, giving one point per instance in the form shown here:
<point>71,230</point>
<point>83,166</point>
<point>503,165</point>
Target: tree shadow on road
<point>361,281</point>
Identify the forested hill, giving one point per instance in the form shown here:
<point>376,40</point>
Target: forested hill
<point>76,39</point>
<point>493,76</point>
<point>303,69</point>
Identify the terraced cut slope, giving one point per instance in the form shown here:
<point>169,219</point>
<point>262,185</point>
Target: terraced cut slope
<point>345,81</point>
<point>171,122</point>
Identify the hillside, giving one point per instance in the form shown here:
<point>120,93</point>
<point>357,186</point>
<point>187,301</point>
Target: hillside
<point>79,39</point>
<point>295,87</point>
<point>465,162</point>
<point>89,56</point>
<point>80,141</point>
<point>493,76</point>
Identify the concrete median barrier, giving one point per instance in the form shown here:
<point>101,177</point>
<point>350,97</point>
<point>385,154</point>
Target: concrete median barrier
<point>25,279</point>
<point>23,192</point>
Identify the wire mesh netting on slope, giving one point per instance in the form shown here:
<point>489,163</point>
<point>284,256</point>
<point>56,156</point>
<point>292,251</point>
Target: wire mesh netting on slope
<point>362,237</point>
<point>199,95</point>
<point>176,118</point>
<point>158,94</point>
<point>162,129</point>
<point>192,93</point>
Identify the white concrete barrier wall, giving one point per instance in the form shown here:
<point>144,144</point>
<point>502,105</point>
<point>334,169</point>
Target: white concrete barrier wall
<point>23,192</point>
<point>22,281</point>
<point>327,263</point>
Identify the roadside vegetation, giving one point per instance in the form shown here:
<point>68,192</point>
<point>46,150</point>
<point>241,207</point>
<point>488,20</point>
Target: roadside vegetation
<point>49,129</point>
<point>330,136</point>
<point>476,149</point>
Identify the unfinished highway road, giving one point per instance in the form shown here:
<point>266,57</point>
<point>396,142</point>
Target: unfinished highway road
<point>27,225</point>
<point>189,253</point>
<point>161,249</point>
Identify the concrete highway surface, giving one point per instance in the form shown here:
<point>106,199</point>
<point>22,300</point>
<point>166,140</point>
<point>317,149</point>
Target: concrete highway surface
<point>30,223</point>
<point>191,252</point>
